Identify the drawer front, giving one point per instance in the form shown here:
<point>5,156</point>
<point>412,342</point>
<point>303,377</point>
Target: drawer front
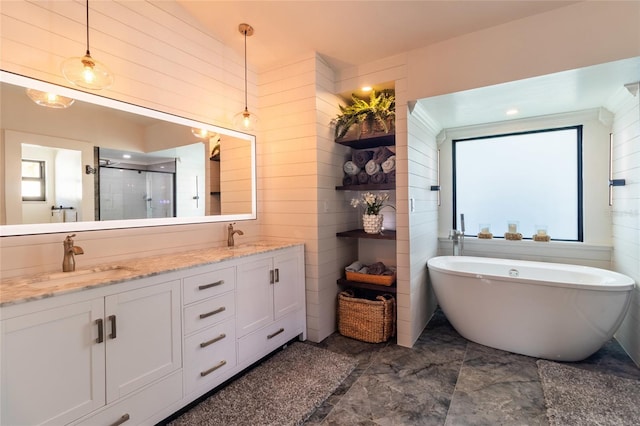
<point>255,345</point>
<point>135,409</point>
<point>202,286</point>
<point>208,355</point>
<point>204,314</point>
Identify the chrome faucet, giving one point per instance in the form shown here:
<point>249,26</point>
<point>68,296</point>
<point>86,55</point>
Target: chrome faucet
<point>230,233</point>
<point>70,250</point>
<point>458,238</point>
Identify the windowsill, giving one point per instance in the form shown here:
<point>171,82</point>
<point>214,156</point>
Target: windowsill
<point>572,252</point>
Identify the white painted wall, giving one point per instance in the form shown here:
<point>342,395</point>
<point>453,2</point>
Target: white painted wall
<point>626,209</point>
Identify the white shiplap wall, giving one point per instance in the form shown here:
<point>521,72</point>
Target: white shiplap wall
<point>626,209</point>
<point>162,59</point>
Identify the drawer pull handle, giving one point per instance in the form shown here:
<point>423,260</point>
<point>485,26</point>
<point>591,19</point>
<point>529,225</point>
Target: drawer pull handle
<point>214,368</point>
<point>100,323</point>
<point>277,275</point>
<point>271,336</point>
<point>271,277</point>
<point>121,420</point>
<point>212,341</point>
<point>206,286</point>
<point>113,334</point>
<point>215,311</point>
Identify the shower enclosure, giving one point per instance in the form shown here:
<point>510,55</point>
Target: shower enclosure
<point>136,194</point>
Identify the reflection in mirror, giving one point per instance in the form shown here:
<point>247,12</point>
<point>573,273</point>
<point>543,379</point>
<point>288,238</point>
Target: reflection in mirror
<point>107,164</point>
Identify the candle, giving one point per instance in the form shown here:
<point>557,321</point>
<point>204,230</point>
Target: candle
<point>513,228</point>
<point>484,230</point>
<point>542,232</point>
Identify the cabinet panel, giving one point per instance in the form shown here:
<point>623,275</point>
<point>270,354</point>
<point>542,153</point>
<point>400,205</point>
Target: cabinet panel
<point>52,367</point>
<point>209,354</point>
<point>289,285</point>
<point>201,286</point>
<point>209,312</point>
<point>146,344</point>
<point>254,295</point>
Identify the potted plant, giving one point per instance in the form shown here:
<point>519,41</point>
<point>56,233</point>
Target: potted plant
<point>376,114</point>
<point>372,203</point>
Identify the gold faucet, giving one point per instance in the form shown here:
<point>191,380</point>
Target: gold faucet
<point>69,261</point>
<point>230,232</point>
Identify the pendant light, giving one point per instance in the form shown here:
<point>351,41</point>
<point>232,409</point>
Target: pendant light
<point>244,119</point>
<point>86,72</point>
<point>49,100</point>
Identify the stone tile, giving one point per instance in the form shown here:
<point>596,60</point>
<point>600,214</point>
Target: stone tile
<point>495,388</point>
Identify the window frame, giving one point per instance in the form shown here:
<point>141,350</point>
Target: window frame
<point>579,186</point>
<point>42,179</point>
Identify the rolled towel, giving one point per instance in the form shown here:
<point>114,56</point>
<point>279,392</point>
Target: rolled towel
<point>390,177</point>
<point>372,167</point>
<point>389,164</point>
<point>378,177</point>
<point>381,154</point>
<point>350,180</point>
<point>363,177</point>
<point>361,157</point>
<point>377,268</point>
<point>354,267</point>
<point>350,168</point>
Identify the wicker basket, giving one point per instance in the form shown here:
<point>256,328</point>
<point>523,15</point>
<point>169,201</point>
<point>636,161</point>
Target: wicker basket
<point>371,279</point>
<point>372,321</point>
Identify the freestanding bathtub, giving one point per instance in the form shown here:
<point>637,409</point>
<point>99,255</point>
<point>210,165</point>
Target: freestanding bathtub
<point>544,310</point>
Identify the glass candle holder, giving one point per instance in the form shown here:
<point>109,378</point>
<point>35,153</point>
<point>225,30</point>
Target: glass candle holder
<point>512,226</point>
<point>484,228</point>
<point>541,230</point>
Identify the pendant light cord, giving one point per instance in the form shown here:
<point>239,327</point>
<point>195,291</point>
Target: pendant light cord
<point>245,70</point>
<point>88,53</point>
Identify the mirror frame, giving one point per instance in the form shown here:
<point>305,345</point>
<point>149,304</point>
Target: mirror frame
<point>65,227</point>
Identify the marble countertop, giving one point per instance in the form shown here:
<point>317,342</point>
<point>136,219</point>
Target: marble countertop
<point>33,287</point>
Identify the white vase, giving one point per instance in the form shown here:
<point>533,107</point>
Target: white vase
<point>372,223</point>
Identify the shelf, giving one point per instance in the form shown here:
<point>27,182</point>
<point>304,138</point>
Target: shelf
<point>367,187</point>
<point>379,139</point>
<point>368,286</point>
<point>387,234</point>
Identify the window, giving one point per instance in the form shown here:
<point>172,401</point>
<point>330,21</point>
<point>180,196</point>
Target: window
<point>33,180</point>
<point>533,178</point>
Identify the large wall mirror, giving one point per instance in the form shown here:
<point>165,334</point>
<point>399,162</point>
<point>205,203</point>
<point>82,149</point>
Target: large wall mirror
<point>105,164</point>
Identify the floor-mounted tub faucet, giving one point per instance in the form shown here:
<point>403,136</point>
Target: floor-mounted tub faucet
<point>458,238</point>
<point>230,232</point>
<point>70,250</point>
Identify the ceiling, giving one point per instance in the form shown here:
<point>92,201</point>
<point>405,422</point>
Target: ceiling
<point>350,33</point>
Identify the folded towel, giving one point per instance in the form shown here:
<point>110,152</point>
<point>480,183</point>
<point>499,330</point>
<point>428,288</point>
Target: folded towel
<point>390,177</point>
<point>372,167</point>
<point>389,271</point>
<point>350,168</point>
<point>361,157</point>
<point>350,180</point>
<point>389,164</point>
<point>381,154</point>
<point>377,268</point>
<point>354,267</point>
<point>364,270</point>
<point>363,177</point>
<point>377,177</point>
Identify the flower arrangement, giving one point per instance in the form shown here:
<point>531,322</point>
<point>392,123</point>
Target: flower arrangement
<point>372,203</point>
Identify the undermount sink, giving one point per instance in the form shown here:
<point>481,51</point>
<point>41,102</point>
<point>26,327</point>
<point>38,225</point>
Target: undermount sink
<point>102,273</point>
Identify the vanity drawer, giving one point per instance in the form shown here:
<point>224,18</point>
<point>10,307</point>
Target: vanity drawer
<point>208,355</point>
<point>204,314</point>
<point>199,287</point>
<point>255,345</point>
<point>139,407</point>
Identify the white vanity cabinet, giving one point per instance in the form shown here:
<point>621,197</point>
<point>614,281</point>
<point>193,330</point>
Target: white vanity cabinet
<point>270,298</point>
<point>62,360</point>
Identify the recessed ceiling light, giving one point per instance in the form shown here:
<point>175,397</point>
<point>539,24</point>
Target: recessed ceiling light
<point>512,111</point>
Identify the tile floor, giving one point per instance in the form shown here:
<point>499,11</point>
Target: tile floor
<point>445,380</point>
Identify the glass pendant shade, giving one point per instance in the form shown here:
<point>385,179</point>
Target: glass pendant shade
<point>86,72</point>
<point>49,100</point>
<point>245,120</point>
